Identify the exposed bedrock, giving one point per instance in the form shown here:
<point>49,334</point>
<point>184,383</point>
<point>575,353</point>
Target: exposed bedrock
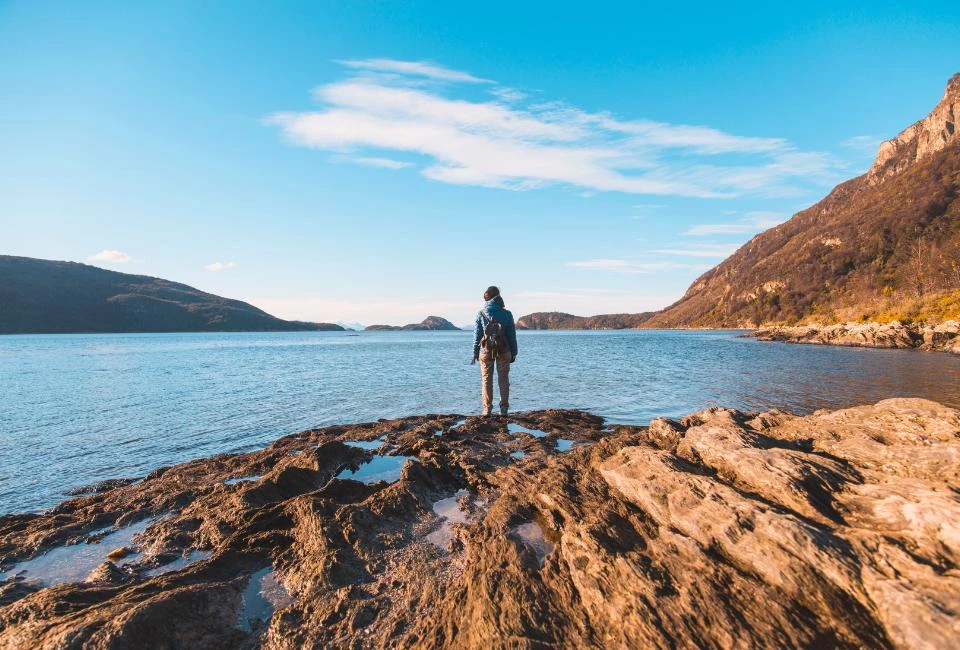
<point>942,336</point>
<point>721,530</point>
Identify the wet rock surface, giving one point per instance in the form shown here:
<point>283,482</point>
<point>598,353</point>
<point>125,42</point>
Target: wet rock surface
<point>942,336</point>
<point>720,530</point>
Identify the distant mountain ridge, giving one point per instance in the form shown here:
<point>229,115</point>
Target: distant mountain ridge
<point>49,297</point>
<point>883,246</point>
<point>430,323</point>
<point>555,320</point>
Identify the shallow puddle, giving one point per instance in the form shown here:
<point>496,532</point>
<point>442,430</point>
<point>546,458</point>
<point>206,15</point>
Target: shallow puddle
<point>516,428</point>
<point>366,444</point>
<point>181,562</point>
<point>564,445</point>
<point>459,423</point>
<point>532,535</point>
<point>379,468</point>
<point>75,562</point>
<point>263,595</point>
<point>518,455</point>
<point>450,511</point>
<point>242,479</point>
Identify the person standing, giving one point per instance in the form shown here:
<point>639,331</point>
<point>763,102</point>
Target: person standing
<point>494,344</point>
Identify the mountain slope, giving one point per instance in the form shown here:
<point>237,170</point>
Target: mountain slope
<point>885,244</point>
<point>46,297</point>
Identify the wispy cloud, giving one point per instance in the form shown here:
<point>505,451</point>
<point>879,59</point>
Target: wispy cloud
<point>116,257</point>
<point>413,68</point>
<point>220,266</point>
<point>699,250</point>
<point>751,222</point>
<point>630,266</point>
<point>371,161</point>
<point>513,145</point>
<point>506,94</point>
<point>863,143</point>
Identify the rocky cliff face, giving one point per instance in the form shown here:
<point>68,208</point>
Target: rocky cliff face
<point>880,246</point>
<point>934,133</point>
<point>723,529</point>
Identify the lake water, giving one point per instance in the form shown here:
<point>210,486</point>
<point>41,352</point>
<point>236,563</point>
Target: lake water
<point>76,409</point>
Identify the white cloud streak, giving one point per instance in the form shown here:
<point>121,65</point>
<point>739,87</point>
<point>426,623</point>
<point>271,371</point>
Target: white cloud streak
<point>383,163</point>
<point>504,144</point>
<point>413,68</point>
<point>220,266</point>
<point>751,223</point>
<point>863,143</point>
<point>699,250</point>
<point>116,257</point>
<point>630,266</point>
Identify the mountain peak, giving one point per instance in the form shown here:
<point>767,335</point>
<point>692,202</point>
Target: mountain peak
<point>930,135</point>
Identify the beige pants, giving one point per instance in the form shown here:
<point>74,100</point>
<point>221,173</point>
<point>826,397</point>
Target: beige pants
<point>503,378</point>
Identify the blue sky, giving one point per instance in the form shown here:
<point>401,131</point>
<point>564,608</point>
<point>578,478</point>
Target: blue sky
<point>379,162</point>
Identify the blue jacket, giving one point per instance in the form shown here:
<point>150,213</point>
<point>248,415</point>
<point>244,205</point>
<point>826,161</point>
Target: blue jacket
<point>491,310</point>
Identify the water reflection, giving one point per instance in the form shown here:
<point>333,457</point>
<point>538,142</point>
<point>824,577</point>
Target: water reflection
<point>378,468</point>
<point>75,562</point>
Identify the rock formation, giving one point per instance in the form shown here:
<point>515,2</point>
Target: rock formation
<point>721,530</point>
<point>928,136</point>
<point>943,336</point>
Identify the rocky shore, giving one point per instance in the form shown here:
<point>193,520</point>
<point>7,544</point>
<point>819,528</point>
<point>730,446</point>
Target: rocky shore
<point>943,336</point>
<point>547,530</point>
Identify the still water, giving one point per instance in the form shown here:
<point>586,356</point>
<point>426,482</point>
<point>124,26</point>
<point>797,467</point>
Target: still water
<point>76,409</point>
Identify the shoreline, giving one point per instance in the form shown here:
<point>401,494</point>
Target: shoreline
<point>943,337</point>
<point>480,526</point>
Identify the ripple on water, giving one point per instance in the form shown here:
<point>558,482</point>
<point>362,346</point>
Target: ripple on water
<point>73,563</point>
<point>263,595</point>
<point>378,468</point>
<point>170,398</point>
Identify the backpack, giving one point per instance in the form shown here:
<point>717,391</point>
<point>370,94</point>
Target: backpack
<point>494,339</point>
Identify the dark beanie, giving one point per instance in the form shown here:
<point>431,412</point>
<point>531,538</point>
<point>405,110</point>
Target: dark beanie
<point>491,293</point>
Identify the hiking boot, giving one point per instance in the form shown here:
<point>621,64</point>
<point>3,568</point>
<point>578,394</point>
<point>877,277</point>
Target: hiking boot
<point>503,411</point>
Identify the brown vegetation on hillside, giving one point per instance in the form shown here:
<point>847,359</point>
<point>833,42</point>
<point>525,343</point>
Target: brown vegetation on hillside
<point>882,246</point>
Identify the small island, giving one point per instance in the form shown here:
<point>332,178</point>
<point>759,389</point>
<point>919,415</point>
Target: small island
<point>430,323</point>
